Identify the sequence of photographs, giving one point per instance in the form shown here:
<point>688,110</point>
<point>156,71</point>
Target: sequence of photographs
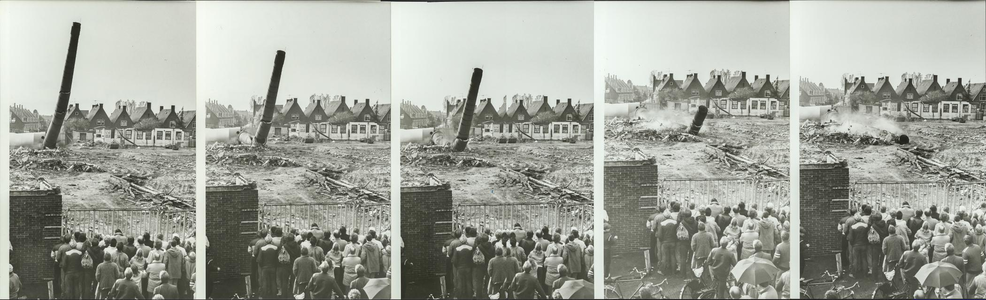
<point>495,130</point>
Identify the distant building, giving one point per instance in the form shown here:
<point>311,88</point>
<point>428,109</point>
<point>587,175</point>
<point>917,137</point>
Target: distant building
<point>812,94</point>
<point>25,120</point>
<point>618,91</point>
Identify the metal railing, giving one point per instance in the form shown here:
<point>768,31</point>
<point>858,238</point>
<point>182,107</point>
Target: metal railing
<point>328,216</point>
<point>727,191</point>
<point>919,194</point>
<point>132,222</point>
<point>530,216</point>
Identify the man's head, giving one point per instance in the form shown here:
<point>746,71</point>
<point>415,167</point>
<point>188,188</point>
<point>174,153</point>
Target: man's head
<point>701,226</point>
<point>726,210</point>
<point>757,246</point>
<point>949,249</point>
<point>530,235</point>
<point>360,271</point>
<point>785,236</point>
<point>528,267</point>
<point>919,294</point>
<point>918,214</point>
<point>892,229</point>
<point>723,242</point>
<point>499,251</point>
<point>562,270</point>
<point>128,273</point>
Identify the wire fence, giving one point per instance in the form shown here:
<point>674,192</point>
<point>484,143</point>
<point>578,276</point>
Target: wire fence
<point>919,194</point>
<point>327,216</point>
<point>530,216</point>
<point>132,222</point>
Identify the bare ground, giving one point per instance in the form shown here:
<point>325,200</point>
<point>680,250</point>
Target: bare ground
<point>280,168</point>
<point>482,173</point>
<point>83,173</point>
<point>764,141</point>
<point>960,145</point>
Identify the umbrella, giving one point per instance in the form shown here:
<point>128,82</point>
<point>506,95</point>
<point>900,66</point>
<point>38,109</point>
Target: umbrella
<point>938,274</point>
<point>755,270</point>
<point>377,288</point>
<point>577,289</point>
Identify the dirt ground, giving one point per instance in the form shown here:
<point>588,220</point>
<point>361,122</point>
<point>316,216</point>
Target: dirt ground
<point>86,185</point>
<point>483,175</point>
<point>279,169</point>
<point>961,145</point>
<point>764,141</point>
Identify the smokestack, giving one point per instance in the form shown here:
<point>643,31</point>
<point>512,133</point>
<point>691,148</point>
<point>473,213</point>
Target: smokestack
<point>65,92</point>
<point>699,119</point>
<point>271,101</point>
<point>465,124</point>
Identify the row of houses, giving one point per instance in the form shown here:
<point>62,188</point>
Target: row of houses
<point>321,118</point>
<point>526,118</point>
<point>130,123</point>
<point>724,93</point>
<point>915,96</point>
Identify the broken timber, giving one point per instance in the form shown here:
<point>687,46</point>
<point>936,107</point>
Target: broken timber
<point>134,188</point>
<point>731,158</point>
<point>917,157</point>
<point>328,183</point>
<point>564,192</point>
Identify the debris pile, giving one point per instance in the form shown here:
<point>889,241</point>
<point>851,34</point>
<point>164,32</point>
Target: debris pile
<point>811,132</point>
<point>324,179</point>
<point>729,156</point>
<point>251,159</point>
<point>49,160</point>
<point>922,159</point>
<point>623,129</point>
<point>135,186</point>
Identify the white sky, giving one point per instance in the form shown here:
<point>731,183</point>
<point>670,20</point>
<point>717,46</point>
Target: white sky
<point>331,48</point>
<point>535,48</point>
<point>143,51</point>
<point>635,38</point>
<point>889,38</point>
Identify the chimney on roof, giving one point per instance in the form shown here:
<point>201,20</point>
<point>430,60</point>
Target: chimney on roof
<point>743,74</point>
<point>910,80</point>
<point>934,78</point>
<point>172,107</point>
<point>161,108</point>
<point>569,101</point>
<point>101,105</point>
<point>355,101</point>
<point>521,101</point>
<point>343,99</point>
<point>947,80</point>
<point>768,77</point>
<point>960,81</point>
<point>718,77</point>
<point>756,77</point>
<point>557,101</point>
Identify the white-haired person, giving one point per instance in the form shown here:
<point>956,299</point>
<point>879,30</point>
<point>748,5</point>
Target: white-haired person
<point>126,288</point>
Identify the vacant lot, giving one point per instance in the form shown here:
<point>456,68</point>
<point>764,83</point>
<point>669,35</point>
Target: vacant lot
<point>961,145</point>
<point>83,173</point>
<point>282,169</point>
<point>681,155</point>
<point>485,172</point>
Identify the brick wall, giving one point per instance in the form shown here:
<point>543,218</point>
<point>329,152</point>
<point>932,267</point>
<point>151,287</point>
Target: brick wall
<point>426,222</point>
<point>626,182</point>
<point>35,224</point>
<point>824,200</point>
<point>231,222</point>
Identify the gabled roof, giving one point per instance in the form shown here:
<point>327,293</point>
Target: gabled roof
<point>117,113</point>
<point>311,108</point>
<point>619,85</point>
<point>358,107</point>
<point>732,82</point>
<point>512,110</point>
<point>711,83</point>
<point>73,108</point>
<point>284,109</point>
<point>382,111</point>
<point>782,86</point>
<point>975,88</point>
<point>163,114</point>
<point>536,107</point>
<point>26,115</point>
<point>689,80</point>
<point>139,112</point>
<point>187,117</point>
<point>923,86</point>
<point>93,112</point>
<point>758,84</point>
<point>668,82</point>
<point>584,109</point>
<point>859,86</point>
<point>883,82</point>
<point>902,86</point>
<point>482,104</point>
<point>412,110</point>
<point>951,86</point>
<point>333,106</point>
<point>219,110</point>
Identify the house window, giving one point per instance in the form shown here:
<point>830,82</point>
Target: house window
<point>537,129</point>
<point>501,128</point>
<point>718,93</point>
<point>564,128</point>
<point>82,135</point>
<point>99,123</point>
<point>277,131</point>
<point>869,109</point>
<point>575,128</point>
<point>965,108</point>
<point>98,134</point>
<point>914,106</point>
<point>589,118</point>
<point>178,136</point>
<point>318,117</point>
<point>886,96</point>
<point>763,105</point>
<point>955,108</point>
<point>123,123</point>
<point>128,132</point>
<point>742,105</point>
<point>354,128</point>
<point>557,128</point>
<point>373,129</point>
<point>773,106</point>
<point>294,117</point>
<point>160,135</point>
<point>735,104</point>
<point>767,93</point>
<point>489,118</point>
<point>677,105</point>
<point>525,128</point>
<point>335,129</point>
<point>724,103</point>
<point>167,135</point>
<point>520,117</point>
<point>366,118</point>
<point>958,97</point>
<point>694,94</point>
<point>568,118</point>
<point>322,128</point>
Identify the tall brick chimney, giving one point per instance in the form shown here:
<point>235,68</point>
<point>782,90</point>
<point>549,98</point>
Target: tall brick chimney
<point>934,78</point>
